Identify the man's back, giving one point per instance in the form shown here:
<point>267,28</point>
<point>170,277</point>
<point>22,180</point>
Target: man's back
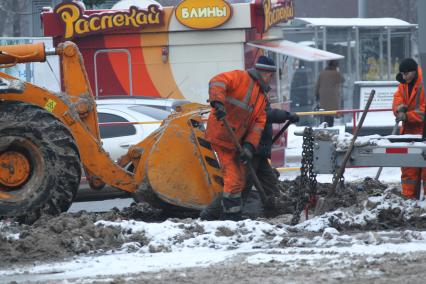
<point>328,89</point>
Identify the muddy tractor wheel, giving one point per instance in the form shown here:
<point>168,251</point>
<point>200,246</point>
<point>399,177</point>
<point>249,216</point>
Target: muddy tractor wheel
<point>39,163</point>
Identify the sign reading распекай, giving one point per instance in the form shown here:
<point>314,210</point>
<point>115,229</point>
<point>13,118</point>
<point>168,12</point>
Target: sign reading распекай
<point>77,24</point>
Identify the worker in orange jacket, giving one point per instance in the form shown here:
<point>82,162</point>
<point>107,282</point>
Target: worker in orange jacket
<point>409,107</point>
<point>240,97</point>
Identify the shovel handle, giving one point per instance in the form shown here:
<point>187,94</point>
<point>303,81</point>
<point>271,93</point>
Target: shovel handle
<point>250,168</point>
<point>284,128</point>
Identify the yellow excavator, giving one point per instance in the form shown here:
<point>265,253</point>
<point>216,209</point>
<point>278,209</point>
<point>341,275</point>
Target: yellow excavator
<point>47,138</point>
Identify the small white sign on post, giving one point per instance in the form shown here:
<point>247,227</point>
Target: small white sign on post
<point>382,100</point>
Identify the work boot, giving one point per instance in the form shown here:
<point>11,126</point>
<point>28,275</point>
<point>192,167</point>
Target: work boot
<point>213,211</point>
<point>231,206</point>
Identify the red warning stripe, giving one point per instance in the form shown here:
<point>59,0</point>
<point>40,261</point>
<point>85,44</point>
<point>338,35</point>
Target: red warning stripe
<point>396,150</point>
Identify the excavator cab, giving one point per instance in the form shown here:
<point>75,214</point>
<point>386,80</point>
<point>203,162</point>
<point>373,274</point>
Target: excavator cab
<point>46,138</point>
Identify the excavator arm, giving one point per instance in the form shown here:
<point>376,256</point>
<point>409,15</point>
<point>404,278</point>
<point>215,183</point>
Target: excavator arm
<point>75,108</point>
<point>175,165</point>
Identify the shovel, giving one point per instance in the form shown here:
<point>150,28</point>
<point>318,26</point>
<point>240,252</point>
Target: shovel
<point>265,201</point>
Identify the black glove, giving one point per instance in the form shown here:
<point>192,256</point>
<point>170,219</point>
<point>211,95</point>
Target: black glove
<point>401,116</point>
<point>293,118</point>
<point>247,153</point>
<point>401,112</point>
<point>220,111</point>
<point>402,108</point>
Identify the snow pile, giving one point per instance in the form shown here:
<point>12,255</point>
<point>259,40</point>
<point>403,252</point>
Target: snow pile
<point>173,235</point>
<point>343,140</point>
<point>384,211</point>
<point>8,232</point>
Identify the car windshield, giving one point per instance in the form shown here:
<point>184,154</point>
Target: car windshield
<point>155,113</point>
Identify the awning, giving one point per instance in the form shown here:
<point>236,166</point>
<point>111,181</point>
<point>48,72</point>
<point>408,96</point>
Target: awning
<point>296,50</point>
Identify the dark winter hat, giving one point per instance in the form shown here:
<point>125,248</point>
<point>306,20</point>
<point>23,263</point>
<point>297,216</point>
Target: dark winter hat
<point>407,65</point>
<point>265,64</point>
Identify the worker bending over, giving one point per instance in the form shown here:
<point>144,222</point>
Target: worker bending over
<point>239,97</point>
<point>260,161</point>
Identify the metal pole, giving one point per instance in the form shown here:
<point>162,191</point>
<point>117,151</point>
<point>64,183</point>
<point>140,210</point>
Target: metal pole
<point>389,53</point>
<point>324,43</point>
<point>362,8</point>
<point>316,46</point>
<point>421,19</point>
<point>357,63</point>
<point>381,54</point>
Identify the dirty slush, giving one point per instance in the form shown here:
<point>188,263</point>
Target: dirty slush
<point>359,208</point>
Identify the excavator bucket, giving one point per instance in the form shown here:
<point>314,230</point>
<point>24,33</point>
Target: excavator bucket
<point>175,165</point>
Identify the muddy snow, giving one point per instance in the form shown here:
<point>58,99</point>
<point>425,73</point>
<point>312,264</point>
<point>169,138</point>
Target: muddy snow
<point>372,233</point>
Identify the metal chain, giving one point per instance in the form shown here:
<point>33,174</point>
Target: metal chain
<point>307,182</point>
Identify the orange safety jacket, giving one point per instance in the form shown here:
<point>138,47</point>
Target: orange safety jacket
<point>415,103</point>
<point>245,106</point>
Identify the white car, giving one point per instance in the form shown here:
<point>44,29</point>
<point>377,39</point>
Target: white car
<point>118,138</point>
<point>159,103</point>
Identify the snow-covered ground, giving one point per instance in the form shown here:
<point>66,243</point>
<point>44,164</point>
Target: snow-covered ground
<point>176,248</point>
<point>180,244</point>
<point>260,243</point>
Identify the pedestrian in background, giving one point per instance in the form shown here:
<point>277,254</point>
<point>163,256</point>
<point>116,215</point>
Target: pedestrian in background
<point>409,108</point>
<point>328,89</point>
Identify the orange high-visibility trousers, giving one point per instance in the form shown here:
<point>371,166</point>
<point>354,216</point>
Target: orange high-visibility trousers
<point>234,172</point>
<point>234,179</point>
<point>411,181</point>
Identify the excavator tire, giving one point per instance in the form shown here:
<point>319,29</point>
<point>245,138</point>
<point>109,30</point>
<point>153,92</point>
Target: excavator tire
<point>36,139</point>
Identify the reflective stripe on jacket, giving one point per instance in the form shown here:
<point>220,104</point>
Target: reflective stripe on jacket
<point>415,103</point>
<point>245,108</point>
